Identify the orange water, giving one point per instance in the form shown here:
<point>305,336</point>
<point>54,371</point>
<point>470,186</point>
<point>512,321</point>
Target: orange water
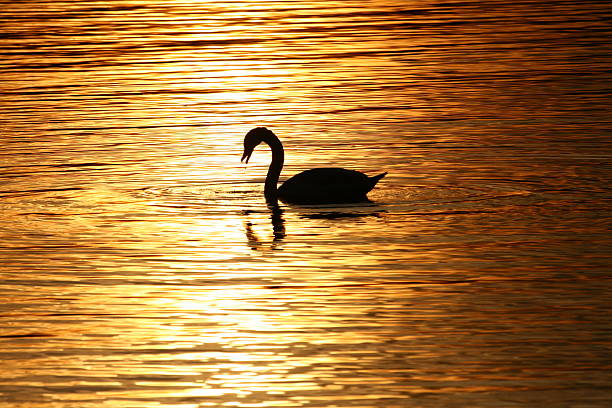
<point>141,266</point>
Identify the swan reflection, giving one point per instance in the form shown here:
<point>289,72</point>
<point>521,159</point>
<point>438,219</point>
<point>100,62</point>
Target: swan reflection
<point>278,228</point>
<point>278,221</point>
<point>334,215</point>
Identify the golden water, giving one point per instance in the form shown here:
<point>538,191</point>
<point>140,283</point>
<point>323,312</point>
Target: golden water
<point>141,267</point>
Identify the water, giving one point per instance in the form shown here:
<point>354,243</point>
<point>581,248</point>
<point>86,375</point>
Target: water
<point>141,266</point>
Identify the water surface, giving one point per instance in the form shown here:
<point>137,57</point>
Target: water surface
<point>141,266</point>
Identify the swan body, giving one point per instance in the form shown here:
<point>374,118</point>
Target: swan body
<point>322,185</point>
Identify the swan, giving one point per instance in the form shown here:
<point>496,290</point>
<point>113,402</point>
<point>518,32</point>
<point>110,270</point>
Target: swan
<point>323,185</point>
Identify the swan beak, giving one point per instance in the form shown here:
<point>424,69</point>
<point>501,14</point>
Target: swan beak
<point>246,155</point>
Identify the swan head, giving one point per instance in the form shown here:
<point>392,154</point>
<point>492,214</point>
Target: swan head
<point>252,139</point>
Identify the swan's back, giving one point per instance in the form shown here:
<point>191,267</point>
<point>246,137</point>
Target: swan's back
<point>327,185</point>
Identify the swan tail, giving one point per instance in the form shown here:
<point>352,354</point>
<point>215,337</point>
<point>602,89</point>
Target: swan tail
<point>375,179</point>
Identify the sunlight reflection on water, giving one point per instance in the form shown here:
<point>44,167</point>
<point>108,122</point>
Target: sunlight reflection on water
<point>141,266</point>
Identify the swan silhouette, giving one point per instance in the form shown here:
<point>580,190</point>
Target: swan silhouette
<point>323,185</point>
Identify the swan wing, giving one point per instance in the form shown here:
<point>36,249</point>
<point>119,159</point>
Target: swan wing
<point>327,185</point>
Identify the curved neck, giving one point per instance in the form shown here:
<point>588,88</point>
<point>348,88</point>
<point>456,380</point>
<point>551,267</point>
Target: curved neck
<point>278,159</point>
